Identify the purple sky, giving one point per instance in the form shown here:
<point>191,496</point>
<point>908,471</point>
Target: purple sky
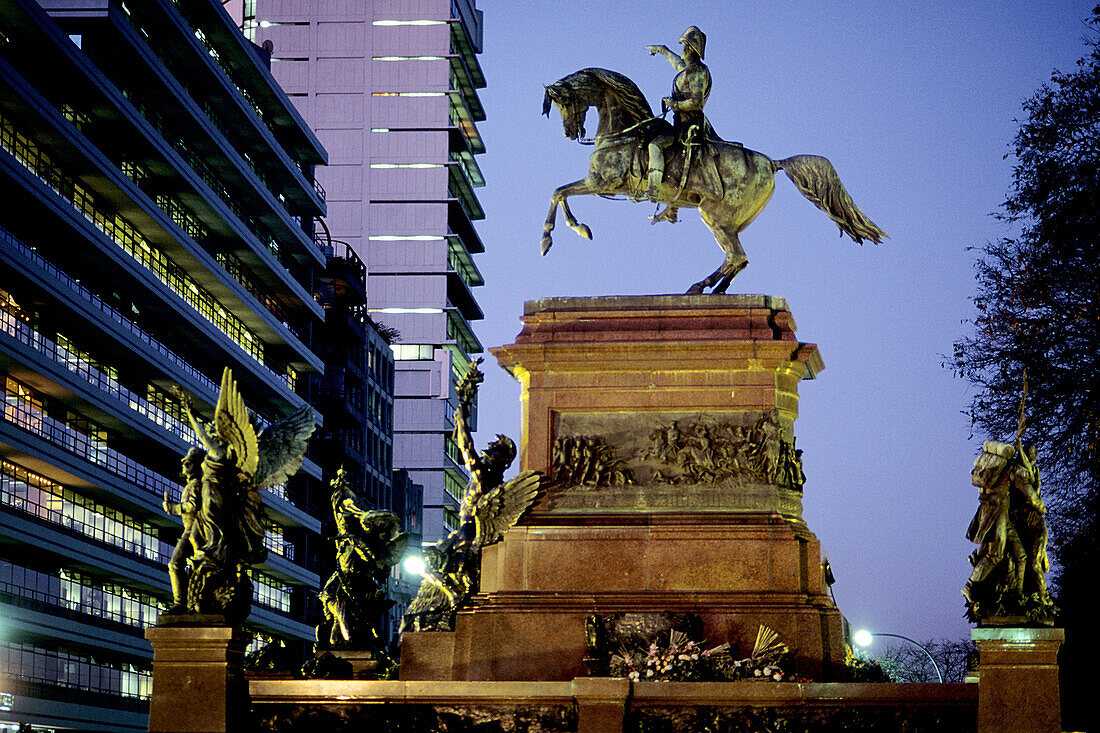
<point>914,104</point>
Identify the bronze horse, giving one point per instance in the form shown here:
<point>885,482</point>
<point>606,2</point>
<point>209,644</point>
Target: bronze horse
<point>729,194</point>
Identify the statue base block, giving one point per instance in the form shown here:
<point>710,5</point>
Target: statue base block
<point>198,684</point>
<point>1018,679</point>
<point>666,426</point>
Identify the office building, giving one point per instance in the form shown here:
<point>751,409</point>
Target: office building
<point>390,87</point>
<point>156,225</point>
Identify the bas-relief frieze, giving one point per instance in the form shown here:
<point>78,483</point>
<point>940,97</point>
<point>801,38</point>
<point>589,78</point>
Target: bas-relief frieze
<point>675,449</point>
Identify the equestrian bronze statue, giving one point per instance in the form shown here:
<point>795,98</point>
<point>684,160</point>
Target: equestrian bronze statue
<point>684,165</point>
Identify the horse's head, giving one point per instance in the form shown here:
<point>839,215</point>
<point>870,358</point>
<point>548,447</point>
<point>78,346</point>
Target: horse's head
<point>570,105</point>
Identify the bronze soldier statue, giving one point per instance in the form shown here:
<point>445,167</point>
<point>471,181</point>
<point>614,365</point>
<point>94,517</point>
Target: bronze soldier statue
<point>690,90</point>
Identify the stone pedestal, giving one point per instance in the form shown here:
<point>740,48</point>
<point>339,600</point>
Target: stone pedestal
<point>1018,679</point>
<point>198,685</point>
<point>666,423</point>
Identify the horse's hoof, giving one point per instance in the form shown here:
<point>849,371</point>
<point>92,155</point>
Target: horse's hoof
<point>696,289</point>
<point>546,243</point>
<point>584,231</point>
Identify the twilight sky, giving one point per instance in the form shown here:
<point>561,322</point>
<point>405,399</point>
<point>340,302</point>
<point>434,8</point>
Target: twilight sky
<point>914,104</point>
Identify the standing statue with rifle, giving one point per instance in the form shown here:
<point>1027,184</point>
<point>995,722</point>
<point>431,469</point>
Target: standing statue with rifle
<point>489,507</point>
<point>1010,563</point>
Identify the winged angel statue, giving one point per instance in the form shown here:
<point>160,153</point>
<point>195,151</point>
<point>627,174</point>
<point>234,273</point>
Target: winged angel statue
<point>489,507</point>
<point>223,516</point>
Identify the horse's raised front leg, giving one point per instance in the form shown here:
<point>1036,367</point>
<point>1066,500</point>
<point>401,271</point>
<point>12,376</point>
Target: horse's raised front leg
<point>734,263</point>
<point>561,193</point>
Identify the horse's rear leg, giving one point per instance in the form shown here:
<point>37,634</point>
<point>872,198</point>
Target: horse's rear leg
<point>561,193</point>
<point>734,263</point>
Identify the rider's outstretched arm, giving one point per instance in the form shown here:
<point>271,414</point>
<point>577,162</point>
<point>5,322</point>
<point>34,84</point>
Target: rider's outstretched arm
<point>670,56</point>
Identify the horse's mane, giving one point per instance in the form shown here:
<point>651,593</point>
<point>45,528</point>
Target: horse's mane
<point>623,90</point>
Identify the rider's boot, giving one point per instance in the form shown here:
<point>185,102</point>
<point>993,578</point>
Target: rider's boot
<point>656,170</point>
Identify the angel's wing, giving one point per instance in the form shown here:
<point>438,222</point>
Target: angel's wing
<point>282,447</point>
<point>500,508</point>
<point>233,426</point>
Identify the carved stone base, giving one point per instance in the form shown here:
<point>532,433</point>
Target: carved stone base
<point>666,423</point>
<point>198,685</point>
<point>1018,679</point>
<point>364,664</point>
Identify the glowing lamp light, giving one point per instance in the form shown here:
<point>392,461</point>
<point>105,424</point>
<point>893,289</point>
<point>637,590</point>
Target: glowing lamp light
<point>863,637</point>
<point>414,565</point>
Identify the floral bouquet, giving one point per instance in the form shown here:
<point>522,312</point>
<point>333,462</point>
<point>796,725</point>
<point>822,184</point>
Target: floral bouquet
<point>682,660</point>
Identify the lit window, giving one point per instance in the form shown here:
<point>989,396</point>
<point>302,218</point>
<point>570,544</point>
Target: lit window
<point>409,22</point>
<point>406,310</point>
<point>407,94</point>
<point>404,238</point>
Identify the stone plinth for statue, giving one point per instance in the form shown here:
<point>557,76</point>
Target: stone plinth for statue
<point>666,424</point>
<point>198,683</point>
<point>1018,687</point>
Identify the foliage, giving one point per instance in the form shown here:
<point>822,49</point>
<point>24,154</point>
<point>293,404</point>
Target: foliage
<point>1038,298</point>
<point>862,669</point>
<point>1038,308</point>
<point>907,663</point>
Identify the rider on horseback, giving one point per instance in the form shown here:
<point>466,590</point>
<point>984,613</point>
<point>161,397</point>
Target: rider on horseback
<point>690,90</point>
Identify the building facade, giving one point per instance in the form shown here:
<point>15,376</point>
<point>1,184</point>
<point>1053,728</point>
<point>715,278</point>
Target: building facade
<point>390,87</point>
<point>156,226</point>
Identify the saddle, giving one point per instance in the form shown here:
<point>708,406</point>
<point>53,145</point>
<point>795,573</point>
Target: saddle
<point>692,151</point>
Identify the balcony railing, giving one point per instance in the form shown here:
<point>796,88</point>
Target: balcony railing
<point>45,266</point>
<point>35,421</point>
<point>28,336</point>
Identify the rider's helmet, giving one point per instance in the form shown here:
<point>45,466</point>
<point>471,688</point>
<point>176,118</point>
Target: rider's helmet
<point>694,39</point>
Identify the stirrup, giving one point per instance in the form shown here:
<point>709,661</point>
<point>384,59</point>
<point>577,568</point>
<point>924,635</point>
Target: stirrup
<point>669,215</point>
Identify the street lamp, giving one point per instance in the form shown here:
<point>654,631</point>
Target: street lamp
<point>414,565</point>
<point>863,637</point>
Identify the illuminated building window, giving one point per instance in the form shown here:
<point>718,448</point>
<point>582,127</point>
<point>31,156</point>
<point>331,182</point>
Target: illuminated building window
<point>72,670</point>
<point>407,94</point>
<point>454,488</point>
<point>126,236</point>
<point>29,493</point>
<point>24,408</point>
<point>80,593</point>
<point>409,22</point>
<point>413,352</point>
<point>270,593</point>
<point>450,518</point>
<point>61,279</point>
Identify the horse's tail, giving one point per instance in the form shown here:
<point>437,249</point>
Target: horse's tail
<point>816,179</point>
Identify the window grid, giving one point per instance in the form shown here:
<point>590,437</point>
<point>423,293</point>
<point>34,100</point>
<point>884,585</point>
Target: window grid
<point>80,593</point>
<point>270,593</point>
<point>24,408</point>
<point>29,493</point>
<point>67,669</point>
<point>124,234</point>
<point>127,324</point>
<point>103,377</point>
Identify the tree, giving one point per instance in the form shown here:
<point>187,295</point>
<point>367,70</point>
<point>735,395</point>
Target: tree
<point>907,663</point>
<point>1038,308</point>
